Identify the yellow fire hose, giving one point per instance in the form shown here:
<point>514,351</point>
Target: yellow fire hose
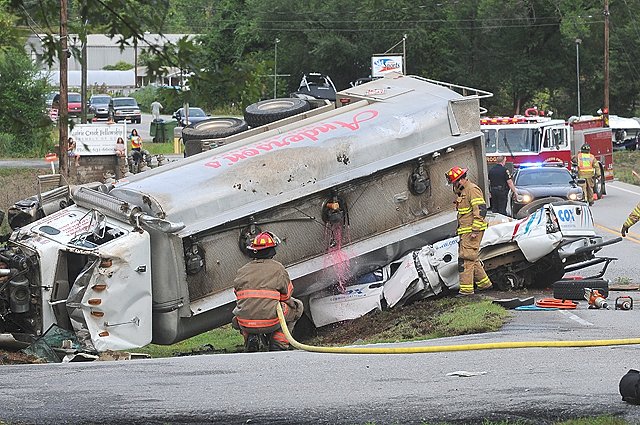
<point>443,348</point>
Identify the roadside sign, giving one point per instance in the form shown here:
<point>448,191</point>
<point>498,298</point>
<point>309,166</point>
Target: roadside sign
<point>51,158</point>
<point>97,139</point>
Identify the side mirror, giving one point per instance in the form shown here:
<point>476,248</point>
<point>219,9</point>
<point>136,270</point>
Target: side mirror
<point>581,181</point>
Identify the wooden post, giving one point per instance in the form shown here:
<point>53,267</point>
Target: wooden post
<point>606,55</point>
<point>63,111</point>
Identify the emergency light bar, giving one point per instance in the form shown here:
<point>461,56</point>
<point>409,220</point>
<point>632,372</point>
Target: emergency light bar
<point>513,120</point>
<point>540,164</point>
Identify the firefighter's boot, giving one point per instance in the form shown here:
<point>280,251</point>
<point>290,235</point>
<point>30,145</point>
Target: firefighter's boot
<point>252,343</point>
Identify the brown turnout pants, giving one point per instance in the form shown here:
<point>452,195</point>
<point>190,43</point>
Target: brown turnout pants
<point>470,268</point>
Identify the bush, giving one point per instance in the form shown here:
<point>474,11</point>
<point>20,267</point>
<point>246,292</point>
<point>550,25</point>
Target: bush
<point>22,105</point>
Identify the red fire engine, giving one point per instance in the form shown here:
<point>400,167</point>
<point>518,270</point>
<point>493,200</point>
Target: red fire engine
<point>535,138</point>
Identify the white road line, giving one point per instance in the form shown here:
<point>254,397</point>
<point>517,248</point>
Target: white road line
<point>624,190</point>
<point>576,318</point>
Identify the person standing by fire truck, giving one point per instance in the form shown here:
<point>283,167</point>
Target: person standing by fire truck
<point>472,210</point>
<point>588,169</point>
<point>259,286</point>
<point>499,184</point>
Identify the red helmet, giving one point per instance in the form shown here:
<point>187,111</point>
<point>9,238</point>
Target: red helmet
<point>455,173</point>
<point>264,240</point>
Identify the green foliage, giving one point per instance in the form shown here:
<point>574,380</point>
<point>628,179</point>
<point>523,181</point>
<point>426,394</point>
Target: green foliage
<point>22,104</point>
<point>119,66</point>
<point>171,99</point>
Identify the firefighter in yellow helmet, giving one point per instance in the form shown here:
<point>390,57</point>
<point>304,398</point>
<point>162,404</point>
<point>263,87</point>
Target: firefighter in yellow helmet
<point>259,286</point>
<point>588,169</point>
<point>472,210</point>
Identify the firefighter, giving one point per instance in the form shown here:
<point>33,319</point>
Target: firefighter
<point>631,220</point>
<point>259,285</point>
<point>472,210</point>
<point>499,184</point>
<point>588,169</point>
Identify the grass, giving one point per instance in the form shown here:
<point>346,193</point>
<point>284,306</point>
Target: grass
<point>426,319</point>
<point>161,148</point>
<point>221,340</point>
<point>599,420</point>
<point>623,163</point>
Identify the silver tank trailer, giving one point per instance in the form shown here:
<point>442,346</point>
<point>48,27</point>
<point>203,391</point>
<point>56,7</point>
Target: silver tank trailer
<point>383,157</point>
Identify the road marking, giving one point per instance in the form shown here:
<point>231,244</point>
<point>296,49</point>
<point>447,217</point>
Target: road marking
<point>576,318</point>
<point>624,190</point>
<point>632,237</point>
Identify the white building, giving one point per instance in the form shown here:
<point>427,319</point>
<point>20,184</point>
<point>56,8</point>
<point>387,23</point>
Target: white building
<point>103,51</point>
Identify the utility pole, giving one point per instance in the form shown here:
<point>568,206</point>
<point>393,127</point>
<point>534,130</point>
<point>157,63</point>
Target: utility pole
<point>606,57</point>
<point>578,41</point>
<point>63,111</point>
<point>83,62</point>
<point>275,69</point>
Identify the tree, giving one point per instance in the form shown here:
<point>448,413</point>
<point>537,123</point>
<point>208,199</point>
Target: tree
<point>23,124</point>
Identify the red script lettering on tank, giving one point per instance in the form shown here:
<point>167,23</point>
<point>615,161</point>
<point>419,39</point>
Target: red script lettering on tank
<point>307,134</point>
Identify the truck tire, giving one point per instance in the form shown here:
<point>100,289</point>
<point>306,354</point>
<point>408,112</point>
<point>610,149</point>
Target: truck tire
<point>268,111</point>
<point>213,128</point>
<point>528,209</point>
<point>569,289</point>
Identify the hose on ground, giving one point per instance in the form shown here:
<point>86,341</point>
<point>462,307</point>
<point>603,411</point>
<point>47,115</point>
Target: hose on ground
<point>444,348</point>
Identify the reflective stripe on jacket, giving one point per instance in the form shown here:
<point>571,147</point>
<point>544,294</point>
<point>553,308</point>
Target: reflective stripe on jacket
<point>472,209</point>
<point>633,217</point>
<point>586,165</point>
<point>259,285</point>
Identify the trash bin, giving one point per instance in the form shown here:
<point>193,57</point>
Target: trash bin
<point>167,131</point>
<point>155,130</point>
<point>161,131</point>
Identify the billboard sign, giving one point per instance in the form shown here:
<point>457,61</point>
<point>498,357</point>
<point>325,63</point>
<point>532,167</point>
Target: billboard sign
<point>97,139</point>
<point>383,64</point>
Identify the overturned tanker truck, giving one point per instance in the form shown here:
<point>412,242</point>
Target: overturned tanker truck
<point>152,259</point>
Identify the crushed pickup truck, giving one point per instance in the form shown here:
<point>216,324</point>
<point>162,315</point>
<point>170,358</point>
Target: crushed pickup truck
<point>532,252</point>
<point>348,188</point>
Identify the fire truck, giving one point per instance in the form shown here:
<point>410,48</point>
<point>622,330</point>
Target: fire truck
<point>537,138</point>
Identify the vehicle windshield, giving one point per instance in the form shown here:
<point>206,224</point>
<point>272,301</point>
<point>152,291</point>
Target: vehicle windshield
<point>542,177</point>
<point>511,140</point>
<point>100,100</point>
<point>196,112</point>
<point>74,98</point>
<point>125,102</point>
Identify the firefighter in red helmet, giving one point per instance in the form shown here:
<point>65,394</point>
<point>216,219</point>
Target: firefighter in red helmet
<point>259,285</point>
<point>472,210</point>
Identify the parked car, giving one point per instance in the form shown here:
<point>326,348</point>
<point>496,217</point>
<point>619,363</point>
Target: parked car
<point>74,103</point>
<point>99,106</point>
<point>123,109</point>
<point>49,99</point>
<point>195,115</point>
<point>537,184</point>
